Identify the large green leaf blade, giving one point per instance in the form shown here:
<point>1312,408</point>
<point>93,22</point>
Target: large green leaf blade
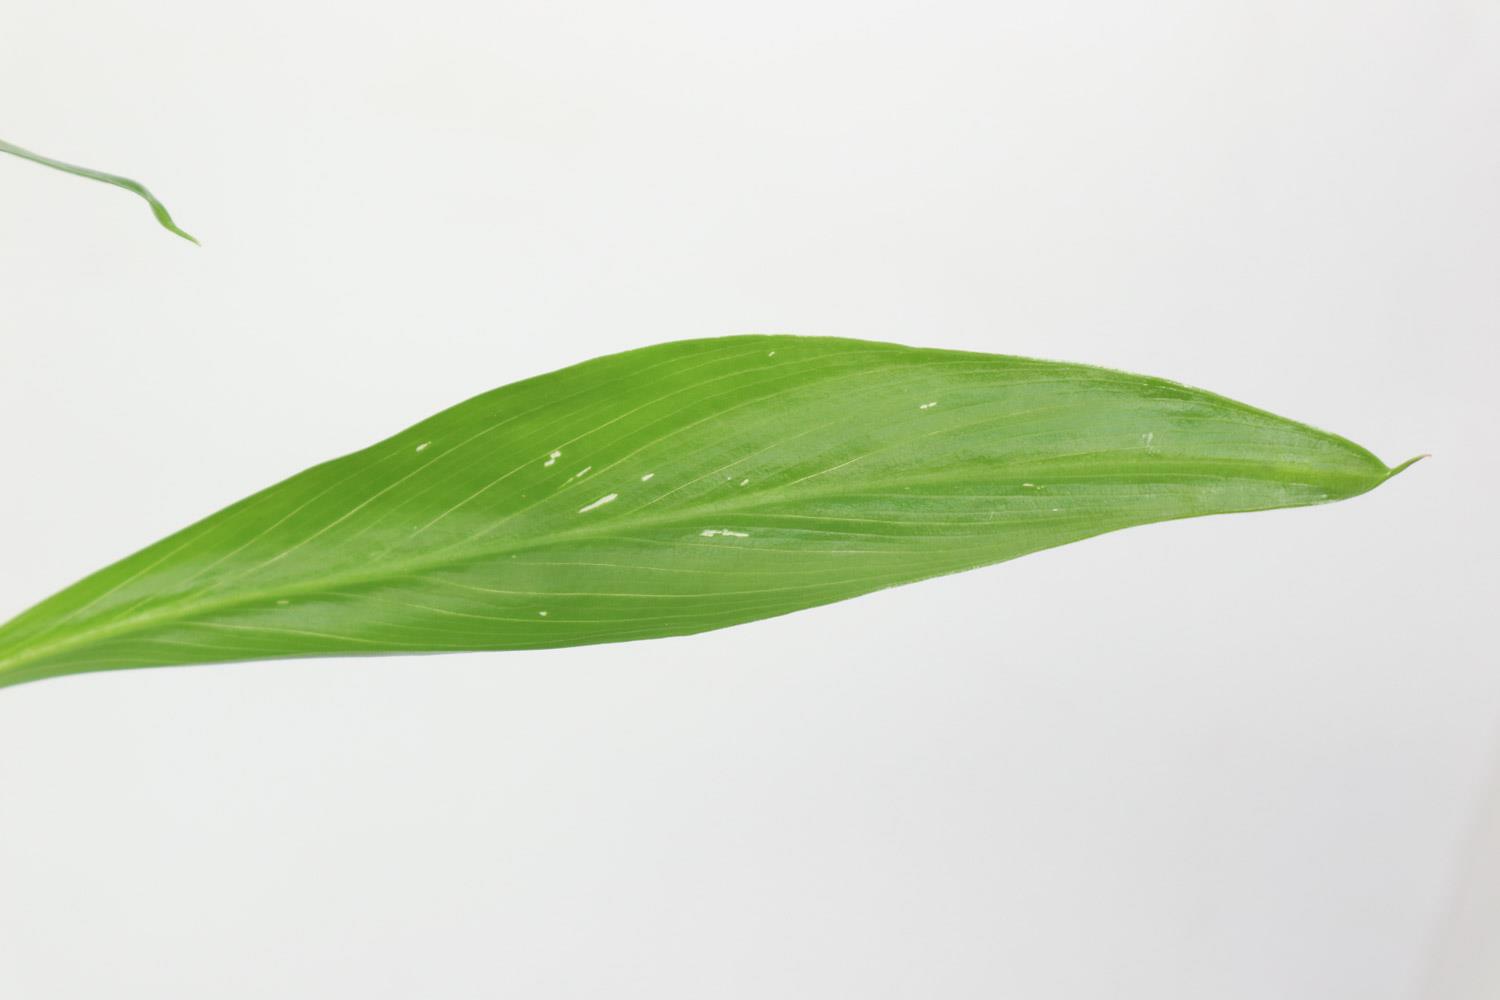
<point>675,489</point>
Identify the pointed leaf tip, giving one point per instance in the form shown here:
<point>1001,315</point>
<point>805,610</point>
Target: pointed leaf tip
<point>1407,465</point>
<point>134,187</point>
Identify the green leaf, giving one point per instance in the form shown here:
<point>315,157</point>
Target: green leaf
<point>157,208</point>
<point>675,489</point>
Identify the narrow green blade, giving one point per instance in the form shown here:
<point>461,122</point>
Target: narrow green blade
<point>675,489</point>
<point>157,208</point>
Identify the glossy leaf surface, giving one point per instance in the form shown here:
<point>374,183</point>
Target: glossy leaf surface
<point>134,187</point>
<point>675,489</point>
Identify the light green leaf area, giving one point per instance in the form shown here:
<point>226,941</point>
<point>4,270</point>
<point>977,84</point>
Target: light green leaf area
<point>675,489</point>
<point>134,187</point>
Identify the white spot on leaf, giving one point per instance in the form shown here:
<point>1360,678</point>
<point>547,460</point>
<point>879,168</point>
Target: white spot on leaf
<point>598,503</point>
<point>647,477</point>
<point>423,445</point>
<point>927,406</point>
<point>542,613</point>
<point>552,459</point>
<point>711,532</point>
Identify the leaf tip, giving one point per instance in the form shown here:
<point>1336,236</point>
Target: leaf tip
<point>1406,465</point>
<point>165,218</point>
<point>135,187</point>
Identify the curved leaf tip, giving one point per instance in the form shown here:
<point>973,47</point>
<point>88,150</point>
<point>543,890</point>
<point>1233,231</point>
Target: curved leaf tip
<point>1397,470</point>
<point>676,489</point>
<point>135,187</point>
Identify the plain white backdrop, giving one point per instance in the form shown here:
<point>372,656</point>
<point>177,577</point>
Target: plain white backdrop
<point>1245,757</point>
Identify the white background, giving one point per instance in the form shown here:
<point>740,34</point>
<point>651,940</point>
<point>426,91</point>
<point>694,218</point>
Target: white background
<point>1244,757</point>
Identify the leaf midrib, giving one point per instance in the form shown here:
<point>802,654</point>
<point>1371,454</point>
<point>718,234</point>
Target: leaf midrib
<point>184,609</point>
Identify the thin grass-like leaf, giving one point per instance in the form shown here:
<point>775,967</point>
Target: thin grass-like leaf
<point>675,489</point>
<point>157,208</point>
